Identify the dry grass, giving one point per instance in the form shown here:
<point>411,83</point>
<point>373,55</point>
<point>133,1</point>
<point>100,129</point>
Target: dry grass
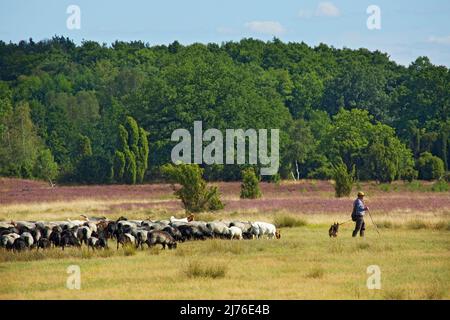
<point>304,263</point>
<point>412,251</point>
<point>196,269</point>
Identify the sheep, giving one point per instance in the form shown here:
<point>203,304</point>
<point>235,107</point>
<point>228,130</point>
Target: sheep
<point>219,229</point>
<point>161,237</point>
<point>19,244</point>
<point>28,238</point>
<point>141,237</point>
<point>55,237</point>
<point>125,238</point>
<point>43,243</point>
<point>244,226</point>
<point>264,228</point>
<point>68,239</point>
<point>96,243</point>
<point>174,232</point>
<point>235,233</point>
<point>7,240</point>
<point>83,234</point>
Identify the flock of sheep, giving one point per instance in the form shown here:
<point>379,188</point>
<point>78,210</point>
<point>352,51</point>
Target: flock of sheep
<point>95,232</point>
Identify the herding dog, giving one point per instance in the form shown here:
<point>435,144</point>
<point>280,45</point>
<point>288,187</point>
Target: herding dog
<point>333,231</point>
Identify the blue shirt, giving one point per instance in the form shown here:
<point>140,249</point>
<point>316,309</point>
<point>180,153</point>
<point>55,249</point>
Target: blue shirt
<point>359,207</point>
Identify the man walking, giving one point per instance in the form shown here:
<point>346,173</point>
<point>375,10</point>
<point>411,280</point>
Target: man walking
<point>359,209</point>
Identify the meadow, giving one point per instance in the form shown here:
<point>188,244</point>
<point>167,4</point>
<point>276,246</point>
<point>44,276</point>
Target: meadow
<point>412,250</point>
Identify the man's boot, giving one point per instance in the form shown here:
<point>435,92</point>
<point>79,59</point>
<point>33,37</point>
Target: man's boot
<point>361,233</point>
<point>355,232</point>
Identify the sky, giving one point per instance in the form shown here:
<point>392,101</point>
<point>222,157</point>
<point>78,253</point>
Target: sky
<point>408,28</point>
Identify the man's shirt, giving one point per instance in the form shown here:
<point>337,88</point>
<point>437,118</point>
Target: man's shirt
<point>359,207</point>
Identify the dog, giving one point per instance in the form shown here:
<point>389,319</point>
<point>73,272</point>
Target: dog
<point>333,231</point>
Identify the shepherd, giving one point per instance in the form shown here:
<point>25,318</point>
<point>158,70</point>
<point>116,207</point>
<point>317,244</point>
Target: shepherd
<point>359,210</point>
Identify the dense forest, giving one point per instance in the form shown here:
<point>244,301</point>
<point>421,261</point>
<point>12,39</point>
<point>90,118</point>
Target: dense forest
<point>94,113</point>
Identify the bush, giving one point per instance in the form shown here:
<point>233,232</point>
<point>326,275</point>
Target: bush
<point>344,180</point>
<point>410,174</point>
<point>440,186</point>
<point>284,221</point>
<point>195,195</point>
<point>430,167</point>
<point>250,184</point>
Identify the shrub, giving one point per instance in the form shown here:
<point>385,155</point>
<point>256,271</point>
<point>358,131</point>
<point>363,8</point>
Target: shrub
<point>284,221</point>
<point>440,186</point>
<point>343,179</point>
<point>195,270</point>
<point>410,174</point>
<point>195,195</point>
<point>430,167</point>
<point>250,184</point>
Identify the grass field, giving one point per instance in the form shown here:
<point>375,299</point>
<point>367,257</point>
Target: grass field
<point>413,251</point>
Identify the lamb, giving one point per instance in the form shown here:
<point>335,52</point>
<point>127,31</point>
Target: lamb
<point>235,233</point>
<point>161,237</point>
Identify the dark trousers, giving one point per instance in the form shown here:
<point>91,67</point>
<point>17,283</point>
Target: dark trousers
<point>360,227</point>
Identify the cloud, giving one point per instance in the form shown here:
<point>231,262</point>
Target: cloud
<point>327,9</point>
<point>439,40</point>
<point>266,27</point>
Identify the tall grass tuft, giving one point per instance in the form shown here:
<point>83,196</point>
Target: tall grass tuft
<point>195,269</point>
<point>220,247</point>
<point>316,273</point>
<point>286,221</point>
<point>129,250</point>
<point>442,225</point>
<point>394,294</point>
<point>416,224</point>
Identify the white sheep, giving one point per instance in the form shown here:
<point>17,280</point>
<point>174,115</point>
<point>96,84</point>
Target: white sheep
<point>235,233</point>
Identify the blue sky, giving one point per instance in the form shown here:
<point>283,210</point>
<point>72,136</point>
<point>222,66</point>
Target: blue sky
<point>408,28</point>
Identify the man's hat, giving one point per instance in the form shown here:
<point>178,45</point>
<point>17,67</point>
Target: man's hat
<point>360,194</point>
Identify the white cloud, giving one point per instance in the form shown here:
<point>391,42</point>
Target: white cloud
<point>266,27</point>
<point>327,9</point>
<point>439,40</point>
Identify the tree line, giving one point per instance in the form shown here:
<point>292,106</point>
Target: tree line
<point>93,113</point>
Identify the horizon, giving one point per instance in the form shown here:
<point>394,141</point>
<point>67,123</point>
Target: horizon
<point>407,30</point>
